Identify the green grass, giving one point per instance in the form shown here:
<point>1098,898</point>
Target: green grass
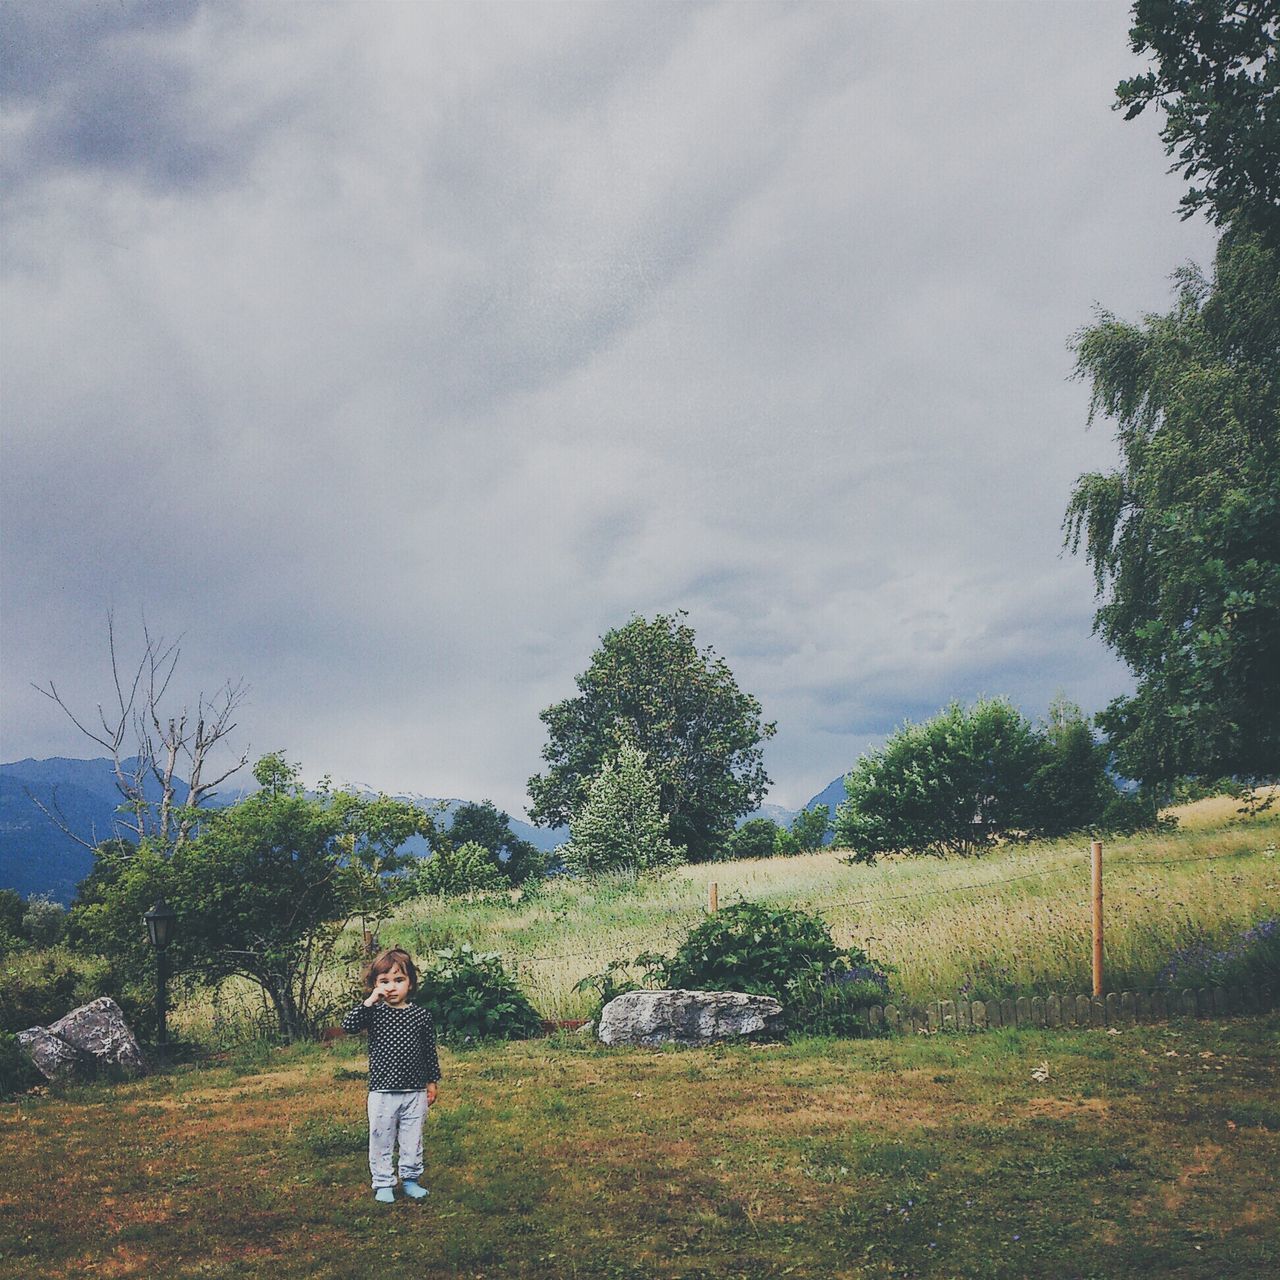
<point>1150,1152</point>
<point>1016,920</point>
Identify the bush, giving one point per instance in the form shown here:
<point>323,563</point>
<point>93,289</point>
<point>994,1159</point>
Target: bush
<point>472,997</point>
<point>44,921</point>
<point>455,872</point>
<point>38,987</point>
<point>12,909</point>
<point>17,1072</point>
<point>757,838</point>
<point>782,953</point>
<point>1130,812</point>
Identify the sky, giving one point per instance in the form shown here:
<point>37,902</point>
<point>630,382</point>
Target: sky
<point>392,353</point>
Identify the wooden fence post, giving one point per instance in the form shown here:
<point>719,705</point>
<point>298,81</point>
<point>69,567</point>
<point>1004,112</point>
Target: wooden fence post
<point>1095,850</point>
<point>713,898</point>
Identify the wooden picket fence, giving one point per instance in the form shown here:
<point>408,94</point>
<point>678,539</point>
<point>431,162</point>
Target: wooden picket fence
<point>1115,1009</point>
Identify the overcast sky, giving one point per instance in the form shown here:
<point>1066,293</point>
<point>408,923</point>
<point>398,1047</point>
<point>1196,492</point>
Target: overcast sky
<point>395,352</point>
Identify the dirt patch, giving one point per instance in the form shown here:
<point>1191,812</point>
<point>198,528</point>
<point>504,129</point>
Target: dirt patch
<point>1068,1108</point>
<point>1202,1161</point>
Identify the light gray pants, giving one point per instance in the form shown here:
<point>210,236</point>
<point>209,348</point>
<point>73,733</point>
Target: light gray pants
<point>391,1115</point>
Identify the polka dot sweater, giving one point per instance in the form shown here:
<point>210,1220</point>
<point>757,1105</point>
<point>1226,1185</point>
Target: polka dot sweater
<point>402,1045</point>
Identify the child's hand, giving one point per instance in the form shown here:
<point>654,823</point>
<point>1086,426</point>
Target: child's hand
<point>371,999</point>
<point>432,1090</point>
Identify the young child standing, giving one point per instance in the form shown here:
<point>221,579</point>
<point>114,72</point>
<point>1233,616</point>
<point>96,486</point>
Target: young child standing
<point>403,1071</point>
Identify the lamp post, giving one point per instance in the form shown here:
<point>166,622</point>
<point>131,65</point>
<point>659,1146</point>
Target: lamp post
<point>160,921</point>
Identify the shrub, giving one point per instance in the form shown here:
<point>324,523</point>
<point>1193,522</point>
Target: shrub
<point>757,838</point>
<point>17,1072</point>
<point>782,953</point>
<point>620,823</point>
<point>12,909</point>
<point>454,872</point>
<point>44,921</point>
<point>472,997</point>
<point>38,987</point>
<point>809,828</point>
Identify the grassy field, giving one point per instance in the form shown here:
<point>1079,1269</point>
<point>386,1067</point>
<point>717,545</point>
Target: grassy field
<point>1152,1152</point>
<point>1016,920</point>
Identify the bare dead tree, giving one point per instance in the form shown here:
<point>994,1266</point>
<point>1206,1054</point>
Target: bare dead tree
<point>168,748</point>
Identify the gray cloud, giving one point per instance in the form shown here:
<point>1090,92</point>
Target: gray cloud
<point>395,352</point>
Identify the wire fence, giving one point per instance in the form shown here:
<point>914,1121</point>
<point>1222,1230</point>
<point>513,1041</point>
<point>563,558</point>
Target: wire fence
<point>691,915</point>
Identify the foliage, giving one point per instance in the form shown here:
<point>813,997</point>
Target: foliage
<point>1217,79</point>
<point>777,952</point>
<point>1250,958</point>
<point>756,838</point>
<point>1184,538</point>
<point>458,871</point>
<point>612,981</point>
<point>620,824</point>
<point>263,892</point>
<point>38,986</point>
<point>12,909</point>
<point>17,1072</point>
<point>810,827</point>
<point>44,921</point>
<point>1070,789</point>
<point>518,860</point>
<point>472,997</point>
<point>649,685</point>
<point>952,785</point>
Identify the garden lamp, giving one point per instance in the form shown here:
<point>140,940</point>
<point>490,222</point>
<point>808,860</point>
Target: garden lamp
<point>160,921</point>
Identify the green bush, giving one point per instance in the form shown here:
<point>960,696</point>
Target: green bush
<point>757,838</point>
<point>456,872</point>
<point>782,953</point>
<point>44,921</point>
<point>17,1072</point>
<point>38,986</point>
<point>472,997</point>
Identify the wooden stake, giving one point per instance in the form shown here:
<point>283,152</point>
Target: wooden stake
<point>713,898</point>
<point>1095,850</point>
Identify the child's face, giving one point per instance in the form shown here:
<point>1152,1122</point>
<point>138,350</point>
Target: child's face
<point>393,986</point>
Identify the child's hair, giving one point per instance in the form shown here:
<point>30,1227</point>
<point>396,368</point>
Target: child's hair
<point>384,962</point>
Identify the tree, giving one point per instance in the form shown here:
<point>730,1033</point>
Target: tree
<point>1184,537</point>
<point>1070,790</point>
<point>162,758</point>
<point>810,827</point>
<point>620,825</point>
<point>517,860</point>
<point>952,785</point>
<point>1217,79</point>
<point>649,685</point>
<point>263,891</point>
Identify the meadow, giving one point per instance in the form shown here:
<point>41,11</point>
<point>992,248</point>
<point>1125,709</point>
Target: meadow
<point>1016,921</point>
<point>1150,1152</point>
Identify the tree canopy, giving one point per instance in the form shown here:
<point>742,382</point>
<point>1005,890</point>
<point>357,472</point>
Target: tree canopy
<point>1217,80</point>
<point>650,686</point>
<point>1184,536</point>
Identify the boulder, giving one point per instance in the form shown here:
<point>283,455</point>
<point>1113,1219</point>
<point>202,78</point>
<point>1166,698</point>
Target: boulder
<point>688,1017</point>
<point>53,1056</point>
<point>99,1031</point>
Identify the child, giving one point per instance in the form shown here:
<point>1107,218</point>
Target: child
<point>403,1071</point>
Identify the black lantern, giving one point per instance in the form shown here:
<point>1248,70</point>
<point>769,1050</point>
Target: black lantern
<point>160,921</point>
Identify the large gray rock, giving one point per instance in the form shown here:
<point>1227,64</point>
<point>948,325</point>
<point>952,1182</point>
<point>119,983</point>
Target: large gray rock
<point>53,1056</point>
<point>99,1031</point>
<point>688,1017</point>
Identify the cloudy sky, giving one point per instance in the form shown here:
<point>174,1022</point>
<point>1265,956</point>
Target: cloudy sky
<point>393,352</point>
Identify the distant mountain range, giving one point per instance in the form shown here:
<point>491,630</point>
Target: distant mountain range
<point>37,857</point>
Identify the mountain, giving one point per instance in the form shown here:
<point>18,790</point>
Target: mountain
<point>36,856</point>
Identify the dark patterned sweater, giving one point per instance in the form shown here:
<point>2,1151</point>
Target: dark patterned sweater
<point>402,1045</point>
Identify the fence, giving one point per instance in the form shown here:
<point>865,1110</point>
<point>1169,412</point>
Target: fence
<point>1115,1009</point>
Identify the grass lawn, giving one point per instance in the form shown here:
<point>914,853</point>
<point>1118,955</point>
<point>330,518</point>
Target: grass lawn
<point>1153,1152</point>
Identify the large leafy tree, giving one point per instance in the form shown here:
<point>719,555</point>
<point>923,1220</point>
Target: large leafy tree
<point>649,685</point>
<point>1184,536</point>
<point>952,785</point>
<point>485,824</point>
<point>1216,77</point>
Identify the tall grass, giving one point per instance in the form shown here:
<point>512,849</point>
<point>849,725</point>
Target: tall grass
<point>1017,919</point>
